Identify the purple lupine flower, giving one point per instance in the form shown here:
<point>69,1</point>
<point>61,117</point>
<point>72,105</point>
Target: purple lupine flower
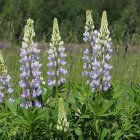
<point>30,73</point>
<point>37,104</point>
<point>96,58</point>
<point>5,86</point>
<point>57,59</point>
<point>102,55</point>
<point>1,97</point>
<point>89,54</point>
<point>51,83</point>
<point>26,104</point>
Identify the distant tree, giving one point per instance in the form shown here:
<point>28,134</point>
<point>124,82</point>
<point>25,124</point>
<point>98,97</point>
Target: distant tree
<point>123,16</point>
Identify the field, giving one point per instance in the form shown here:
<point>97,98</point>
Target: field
<point>70,91</point>
<point>103,116</point>
<point>125,68</point>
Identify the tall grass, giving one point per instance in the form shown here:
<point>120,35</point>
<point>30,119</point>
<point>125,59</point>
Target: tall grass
<point>126,70</point>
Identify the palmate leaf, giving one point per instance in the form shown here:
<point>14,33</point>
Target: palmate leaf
<point>3,117</point>
<point>46,93</point>
<point>80,109</point>
<point>30,117</point>
<point>117,91</point>
<point>34,115</point>
<point>104,134</point>
<point>5,124</point>
<point>128,124</point>
<point>60,89</point>
<point>20,121</point>
<point>83,89</point>
<point>134,96</point>
<point>91,108</point>
<point>99,106</point>
<point>31,123</point>
<point>12,107</point>
<point>105,108</point>
<point>117,135</point>
<point>41,114</point>
<point>78,131</point>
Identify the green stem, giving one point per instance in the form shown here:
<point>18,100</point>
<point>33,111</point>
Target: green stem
<point>30,79</point>
<point>63,135</point>
<point>56,59</point>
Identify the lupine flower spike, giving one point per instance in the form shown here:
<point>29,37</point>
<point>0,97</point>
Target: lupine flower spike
<point>101,74</point>
<point>89,27</point>
<point>89,36</point>
<point>62,123</point>
<point>5,86</point>
<point>30,73</point>
<point>57,58</point>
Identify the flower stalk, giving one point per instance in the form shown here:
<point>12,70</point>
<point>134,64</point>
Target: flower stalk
<point>96,61</point>
<point>30,68</point>
<point>89,55</point>
<point>104,50</point>
<point>62,123</point>
<point>5,86</point>
<point>57,59</point>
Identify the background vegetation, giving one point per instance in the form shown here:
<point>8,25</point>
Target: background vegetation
<point>124,21</point>
<point>123,16</point>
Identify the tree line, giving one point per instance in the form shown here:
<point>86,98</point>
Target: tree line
<point>123,17</point>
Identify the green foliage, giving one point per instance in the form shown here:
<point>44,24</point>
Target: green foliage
<point>102,116</point>
<point>110,115</point>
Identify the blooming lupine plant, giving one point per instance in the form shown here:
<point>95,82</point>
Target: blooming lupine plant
<point>89,55</point>
<point>57,58</point>
<point>30,73</point>
<point>62,123</point>
<point>5,86</point>
<point>101,67</point>
<point>96,66</point>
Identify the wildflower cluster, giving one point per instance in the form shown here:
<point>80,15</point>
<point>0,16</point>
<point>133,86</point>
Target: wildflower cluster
<point>57,58</point>
<point>5,86</point>
<point>62,123</point>
<point>30,73</point>
<point>96,62</point>
<point>97,68</point>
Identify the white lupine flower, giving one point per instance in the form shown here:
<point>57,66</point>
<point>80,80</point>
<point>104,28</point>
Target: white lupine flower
<point>62,123</point>
<point>57,58</point>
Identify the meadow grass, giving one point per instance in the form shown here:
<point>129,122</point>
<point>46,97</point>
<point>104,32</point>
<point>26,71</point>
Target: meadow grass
<point>114,115</point>
<point>126,70</point>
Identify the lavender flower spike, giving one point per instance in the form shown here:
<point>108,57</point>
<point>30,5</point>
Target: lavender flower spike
<point>57,58</point>
<point>5,86</point>
<point>30,73</point>
<point>103,50</point>
<point>90,36</point>
<point>89,27</point>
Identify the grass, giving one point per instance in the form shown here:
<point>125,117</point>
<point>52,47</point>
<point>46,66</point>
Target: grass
<point>126,70</point>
